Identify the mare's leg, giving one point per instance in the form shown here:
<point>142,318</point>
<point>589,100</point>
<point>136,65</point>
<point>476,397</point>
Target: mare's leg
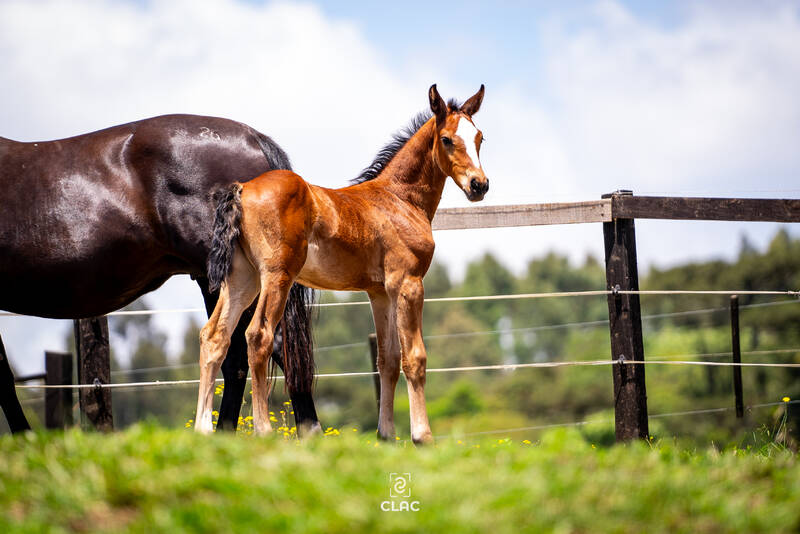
<point>414,360</point>
<point>237,293</point>
<point>8,396</point>
<point>383,313</point>
<point>271,302</point>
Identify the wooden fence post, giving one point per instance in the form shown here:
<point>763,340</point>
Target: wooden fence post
<point>373,358</point>
<point>94,367</point>
<point>8,396</point>
<point>736,353</point>
<point>57,402</point>
<point>625,322</point>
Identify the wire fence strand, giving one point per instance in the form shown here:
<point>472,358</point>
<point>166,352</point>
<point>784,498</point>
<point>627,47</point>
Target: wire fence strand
<point>513,296</point>
<point>496,367</point>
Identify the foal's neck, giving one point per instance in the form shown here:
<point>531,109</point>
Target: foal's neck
<point>412,175</point>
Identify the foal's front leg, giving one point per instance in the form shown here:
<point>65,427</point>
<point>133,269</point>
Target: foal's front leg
<point>414,357</point>
<point>385,318</point>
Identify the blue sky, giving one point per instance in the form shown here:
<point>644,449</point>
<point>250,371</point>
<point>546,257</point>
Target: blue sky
<point>685,98</point>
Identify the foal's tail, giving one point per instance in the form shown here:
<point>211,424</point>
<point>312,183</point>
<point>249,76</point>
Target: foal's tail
<point>298,343</point>
<point>227,217</point>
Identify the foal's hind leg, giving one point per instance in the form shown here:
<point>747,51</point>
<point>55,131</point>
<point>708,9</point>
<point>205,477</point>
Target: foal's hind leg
<point>236,294</point>
<point>234,365</point>
<point>271,301</point>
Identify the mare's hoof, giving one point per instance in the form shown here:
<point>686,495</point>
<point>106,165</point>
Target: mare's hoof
<point>305,430</point>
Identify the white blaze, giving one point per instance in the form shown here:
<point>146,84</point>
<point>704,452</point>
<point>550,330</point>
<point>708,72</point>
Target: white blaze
<point>468,133</point>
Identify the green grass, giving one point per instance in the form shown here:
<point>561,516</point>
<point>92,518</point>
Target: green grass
<point>149,479</point>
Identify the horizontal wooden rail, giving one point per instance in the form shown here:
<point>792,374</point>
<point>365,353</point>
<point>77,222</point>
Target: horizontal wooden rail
<point>706,209</point>
<point>591,211</point>
<point>618,206</point>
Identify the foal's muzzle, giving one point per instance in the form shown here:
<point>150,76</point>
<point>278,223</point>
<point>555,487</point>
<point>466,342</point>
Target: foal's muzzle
<point>478,189</point>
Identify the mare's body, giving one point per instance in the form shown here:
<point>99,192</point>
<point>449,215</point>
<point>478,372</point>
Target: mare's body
<point>92,222</point>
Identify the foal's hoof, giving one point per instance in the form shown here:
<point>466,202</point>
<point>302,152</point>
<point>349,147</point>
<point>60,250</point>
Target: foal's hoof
<point>425,438</point>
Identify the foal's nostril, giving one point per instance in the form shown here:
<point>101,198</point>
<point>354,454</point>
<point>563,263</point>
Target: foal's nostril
<point>477,187</point>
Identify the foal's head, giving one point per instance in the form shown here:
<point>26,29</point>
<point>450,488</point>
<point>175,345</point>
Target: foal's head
<point>458,143</point>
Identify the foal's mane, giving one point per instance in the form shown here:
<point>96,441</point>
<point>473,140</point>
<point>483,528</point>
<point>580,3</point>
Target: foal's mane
<point>398,141</point>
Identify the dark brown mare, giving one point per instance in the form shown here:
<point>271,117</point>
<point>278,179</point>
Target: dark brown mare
<point>90,223</point>
<point>374,236</point>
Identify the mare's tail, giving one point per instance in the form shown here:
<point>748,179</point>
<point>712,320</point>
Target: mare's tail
<point>298,344</point>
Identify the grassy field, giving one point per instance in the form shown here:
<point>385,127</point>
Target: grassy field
<point>149,479</point>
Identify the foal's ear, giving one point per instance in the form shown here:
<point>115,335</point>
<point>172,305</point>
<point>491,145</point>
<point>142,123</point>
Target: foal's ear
<point>471,106</point>
<point>438,106</point>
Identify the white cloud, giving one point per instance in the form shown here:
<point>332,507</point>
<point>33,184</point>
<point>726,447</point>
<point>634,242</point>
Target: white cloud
<point>312,83</point>
<point>708,104</point>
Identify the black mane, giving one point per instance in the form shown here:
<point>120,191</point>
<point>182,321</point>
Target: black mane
<point>399,139</point>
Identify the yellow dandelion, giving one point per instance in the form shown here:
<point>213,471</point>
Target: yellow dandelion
<point>273,419</point>
<point>528,442</point>
<point>786,399</point>
<point>460,442</point>
<point>287,403</point>
<point>215,413</point>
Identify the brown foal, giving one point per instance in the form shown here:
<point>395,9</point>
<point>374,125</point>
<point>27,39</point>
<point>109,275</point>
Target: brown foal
<point>374,236</point>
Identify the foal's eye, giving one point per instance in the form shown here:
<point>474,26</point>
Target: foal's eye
<point>446,141</point>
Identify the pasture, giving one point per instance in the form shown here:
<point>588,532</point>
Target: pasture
<point>148,478</point>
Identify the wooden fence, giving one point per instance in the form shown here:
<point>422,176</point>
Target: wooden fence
<point>616,211</point>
